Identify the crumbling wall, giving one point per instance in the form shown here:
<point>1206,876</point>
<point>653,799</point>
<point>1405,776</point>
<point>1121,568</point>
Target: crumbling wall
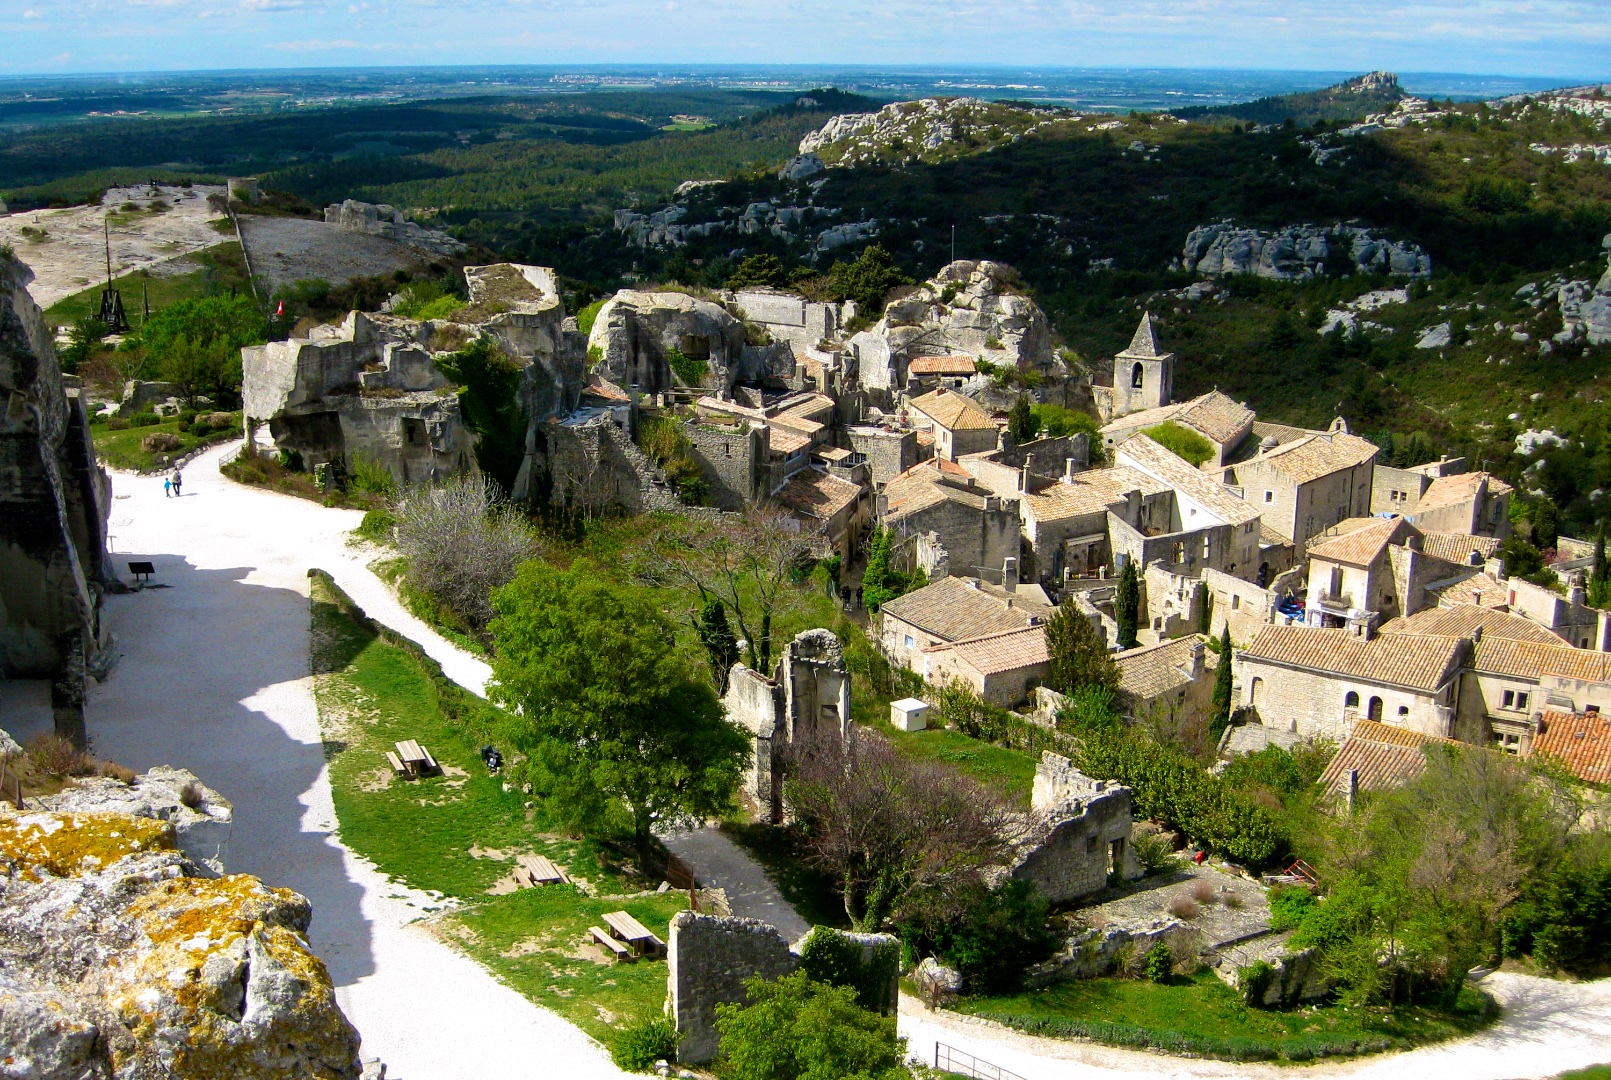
<point>54,503</point>
<point>388,221</point>
<point>735,462</point>
<point>708,959</point>
<point>1077,834</point>
<point>588,462</point>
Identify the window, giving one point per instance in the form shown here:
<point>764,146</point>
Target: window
<point>1387,598</point>
<point>1515,699</point>
<point>1351,701</point>
<point>1403,712</point>
<point>1091,841</point>
<point>909,642</point>
<point>1375,711</point>
<point>1269,496</point>
<point>1236,602</point>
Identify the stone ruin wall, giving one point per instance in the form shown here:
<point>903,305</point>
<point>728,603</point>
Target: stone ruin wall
<point>1078,830</point>
<point>733,461</point>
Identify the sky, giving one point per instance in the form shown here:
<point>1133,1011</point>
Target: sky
<point>1565,39</point>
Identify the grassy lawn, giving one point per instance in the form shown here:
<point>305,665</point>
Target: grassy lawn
<point>123,449</point>
<point>1593,1072</point>
<point>371,694</point>
<point>222,267</point>
<point>1011,772</point>
<point>1201,1015</point>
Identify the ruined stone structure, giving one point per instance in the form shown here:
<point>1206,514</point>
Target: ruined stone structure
<point>120,959</point>
<point>1078,833</point>
<point>710,956</point>
<point>637,333</point>
<point>806,699</point>
<point>792,318</point>
<point>54,502</point>
<point>387,221</point>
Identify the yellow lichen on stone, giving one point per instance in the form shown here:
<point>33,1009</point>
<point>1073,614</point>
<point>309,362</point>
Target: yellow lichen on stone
<point>69,844</point>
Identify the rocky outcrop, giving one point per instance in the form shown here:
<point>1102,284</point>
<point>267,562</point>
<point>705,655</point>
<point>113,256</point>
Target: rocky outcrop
<point>388,221</point>
<point>926,130</point>
<point>968,308</point>
<point>56,498</point>
<point>201,818</point>
<point>1299,251</point>
<point>801,167</point>
<point>658,340</point>
<point>119,962</point>
<point>1098,951</point>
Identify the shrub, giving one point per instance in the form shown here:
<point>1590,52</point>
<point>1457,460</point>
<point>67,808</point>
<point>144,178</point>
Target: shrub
<point>159,442</point>
<point>56,756</point>
<point>1181,441</point>
<point>688,369</point>
<point>640,1045</point>
<point>1203,891</point>
<point>117,423</point>
<point>377,526</point>
<point>1184,907</point>
<point>989,935</point>
<point>1153,853</point>
<point>1159,963</point>
<point>192,795</point>
<point>144,419</point>
<point>121,773</point>
<point>1253,980</point>
<point>1288,906</point>
<point>369,474</point>
<point>585,319</point>
<point>796,1029</point>
<point>831,957</point>
<point>462,542</point>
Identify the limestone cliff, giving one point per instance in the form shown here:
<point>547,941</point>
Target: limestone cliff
<point>118,961</point>
<point>1299,251</point>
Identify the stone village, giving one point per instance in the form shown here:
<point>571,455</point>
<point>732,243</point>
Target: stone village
<point>1368,606</point>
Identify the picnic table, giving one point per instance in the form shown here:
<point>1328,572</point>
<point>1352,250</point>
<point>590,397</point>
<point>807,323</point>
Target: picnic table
<point>411,760</point>
<point>624,927</point>
<point>534,870</point>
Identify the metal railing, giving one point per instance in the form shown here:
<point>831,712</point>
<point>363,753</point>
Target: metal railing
<point>950,1059</point>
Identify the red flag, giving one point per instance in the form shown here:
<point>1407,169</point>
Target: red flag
<point>281,309</point>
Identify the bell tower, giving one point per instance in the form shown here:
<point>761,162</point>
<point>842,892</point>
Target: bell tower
<point>1143,377</point>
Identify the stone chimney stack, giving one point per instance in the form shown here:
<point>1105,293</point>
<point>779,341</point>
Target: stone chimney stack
<point>1576,595</point>
<point>1197,650</point>
<point>1070,467</point>
<point>1009,574</point>
<point>1495,568</point>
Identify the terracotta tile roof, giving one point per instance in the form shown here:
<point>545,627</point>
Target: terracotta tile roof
<point>1151,670</point>
<point>599,386</point>
<point>1491,592</point>
<point>1222,419</point>
<point>1383,755</point>
<point>942,365</point>
<point>1415,661</point>
<point>782,440</point>
<point>831,453</point>
<point>953,411</point>
<point>1457,547</point>
<point>927,484</point>
<point>1145,418</point>
<point>1581,742</point>
<point>1462,487</point>
<point>1529,660</point>
<point>1314,456</point>
<point>953,610</point>
<point>1462,620</point>
<point>1283,433</point>
<point>1364,545</point>
<point>1089,492</point>
<point>1167,468</point>
<point>993,654</point>
<point>813,407</point>
<point>817,494</point>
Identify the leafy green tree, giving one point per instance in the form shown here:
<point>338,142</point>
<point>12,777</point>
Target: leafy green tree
<point>1546,525</point>
<point>1077,652</point>
<point>866,281</point>
<point>1204,602</point>
<point>83,342</point>
<point>1127,605</point>
<point>990,935</point>
<point>1021,422</point>
<point>797,1029</point>
<point>721,645</point>
<point>1220,704</point>
<point>764,271</point>
<point>489,399</point>
<point>196,367</point>
<point>199,341</point>
<point>879,582</point>
<point>1599,575</point>
<point>615,722</point>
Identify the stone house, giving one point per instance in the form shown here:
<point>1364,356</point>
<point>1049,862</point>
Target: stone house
<point>1248,607</point>
<point>889,451</point>
<point>1222,421</point>
<point>807,699</point>
<point>789,317</point>
<point>1580,742</point>
<point>1304,487</point>
<point>1077,833</point>
<point>957,423</point>
<point>968,528</point>
<point>1172,676</point>
<point>736,460</point>
<point>1199,523</point>
<point>1399,491</point>
<point>1376,757</point>
<point>1369,569</point>
<point>1317,682</point>
<point>1474,503</point>
<point>1570,617</point>
<point>1065,525</point>
<point>1010,469</point>
<point>1003,668</point>
<point>54,504</point>
<point>1143,376</point>
<point>823,501</point>
<point>931,372</point>
<point>949,610</point>
<point>1509,683</point>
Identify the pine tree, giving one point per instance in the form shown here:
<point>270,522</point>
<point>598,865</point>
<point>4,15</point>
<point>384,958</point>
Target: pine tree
<point>1220,705</point>
<point>1079,656</point>
<point>1546,526</point>
<point>1127,605</point>
<point>1021,422</point>
<point>720,644</point>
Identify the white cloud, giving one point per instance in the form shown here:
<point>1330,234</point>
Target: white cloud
<point>32,14</point>
<point>270,5</point>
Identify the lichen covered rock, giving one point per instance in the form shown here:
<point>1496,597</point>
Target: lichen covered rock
<point>118,962</point>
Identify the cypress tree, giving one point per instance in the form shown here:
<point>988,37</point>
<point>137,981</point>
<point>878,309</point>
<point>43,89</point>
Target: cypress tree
<point>1205,609</point>
<point>1127,605</point>
<point>1220,706</point>
<point>1079,656</point>
<point>720,643</point>
<point>1597,575</point>
<point>1021,422</point>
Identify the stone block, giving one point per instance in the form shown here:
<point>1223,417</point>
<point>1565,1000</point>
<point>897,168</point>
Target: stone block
<point>709,958</point>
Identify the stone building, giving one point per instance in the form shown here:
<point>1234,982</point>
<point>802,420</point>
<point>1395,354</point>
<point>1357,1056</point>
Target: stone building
<point>964,529</point>
<point>1475,503</point>
<point>790,317</point>
<point>1076,835</point>
<point>1399,491</point>
<point>1065,525</point>
<point>958,424</point>
<point>837,507</point>
<point>1197,523</point>
<point>1143,376</point>
<point>889,450</point>
<point>1174,676</point>
<point>1225,423</point>
<point>1304,487</point>
<point>807,699</point>
<point>950,610</point>
<point>1002,668</point>
<point>54,502</point>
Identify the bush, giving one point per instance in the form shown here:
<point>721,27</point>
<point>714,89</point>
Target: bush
<point>797,1029</point>
<point>1159,963</point>
<point>639,1046</point>
<point>462,542</point>
<point>989,935</point>
<point>831,957</point>
<point>369,474</point>
<point>56,756</point>
<point>377,526</point>
<point>584,322</point>
<point>1181,441</point>
<point>1288,906</point>
<point>144,419</point>
<point>1153,853</point>
<point>690,370</point>
<point>1184,907</point>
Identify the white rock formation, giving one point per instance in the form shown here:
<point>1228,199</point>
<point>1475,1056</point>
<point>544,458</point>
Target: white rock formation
<point>635,334</point>
<point>1298,251</point>
<point>388,221</point>
<point>801,167</point>
<point>201,818</point>
<point>1435,337</point>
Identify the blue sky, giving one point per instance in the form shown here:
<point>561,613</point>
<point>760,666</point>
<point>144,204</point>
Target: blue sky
<point>1565,39</point>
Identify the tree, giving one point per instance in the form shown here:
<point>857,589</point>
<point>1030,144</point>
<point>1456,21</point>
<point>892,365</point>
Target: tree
<point>887,826</point>
<point>1599,576</point>
<point>1220,704</point>
<point>720,644</point>
<point>615,722</point>
<point>1546,525</point>
<point>1127,605</point>
<point>1021,421</point>
<point>196,366</point>
<point>757,270</point>
<point>879,583</point>
<point>1077,652</point>
<point>866,281</point>
<point>797,1029</point>
<point>460,542</point>
<point>83,343</point>
<point>1205,608</point>
<point>490,401</point>
<point>199,341</point>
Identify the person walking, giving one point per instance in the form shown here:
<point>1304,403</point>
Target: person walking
<point>177,480</point>
<point>167,488</point>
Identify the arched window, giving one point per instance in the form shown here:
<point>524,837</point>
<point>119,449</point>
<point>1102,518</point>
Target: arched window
<point>1138,377</point>
<point>1253,695</point>
<point>1376,709</point>
<point>1351,701</point>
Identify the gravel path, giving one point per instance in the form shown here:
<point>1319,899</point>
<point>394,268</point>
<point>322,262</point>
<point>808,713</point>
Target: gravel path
<point>215,678</point>
<point>717,861</point>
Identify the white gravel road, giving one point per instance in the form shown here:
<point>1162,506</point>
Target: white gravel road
<point>215,678</point>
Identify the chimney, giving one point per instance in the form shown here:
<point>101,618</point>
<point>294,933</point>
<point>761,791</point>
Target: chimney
<point>1024,474</point>
<point>1495,569</point>
<point>1009,574</point>
<point>1413,541</point>
<point>1476,597</point>
<point>1476,635</point>
<point>1351,788</point>
<point>1070,467</point>
<point>1197,650</point>
<point>1474,559</point>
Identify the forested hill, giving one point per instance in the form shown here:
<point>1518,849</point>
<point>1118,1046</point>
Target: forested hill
<point>1355,99</point>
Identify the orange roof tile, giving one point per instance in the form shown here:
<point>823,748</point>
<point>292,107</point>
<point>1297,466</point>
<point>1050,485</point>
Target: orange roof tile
<point>1173,471</point>
<point>1457,547</point>
<point>782,440</point>
<point>1528,660</point>
<point>953,411</point>
<point>1009,650</point>
<point>1416,661</point>
<point>1448,490</point>
<point>952,609</point>
<point>1581,742</point>
<point>942,365</point>
<point>1462,620</point>
<point>1310,458</point>
<point>1362,546</point>
<point>817,494</point>
<point>1151,670</point>
<point>1384,756</point>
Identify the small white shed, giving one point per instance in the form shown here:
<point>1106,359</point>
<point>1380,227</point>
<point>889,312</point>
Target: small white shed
<point>909,714</point>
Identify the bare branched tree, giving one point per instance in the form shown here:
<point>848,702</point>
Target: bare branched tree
<point>888,826</point>
<point>750,563</point>
<point>462,540</point>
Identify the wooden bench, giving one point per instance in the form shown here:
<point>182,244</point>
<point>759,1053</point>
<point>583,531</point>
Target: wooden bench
<point>416,760</point>
<point>634,933</point>
<point>622,952</point>
<point>397,764</point>
<point>523,879</point>
<point>541,870</point>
